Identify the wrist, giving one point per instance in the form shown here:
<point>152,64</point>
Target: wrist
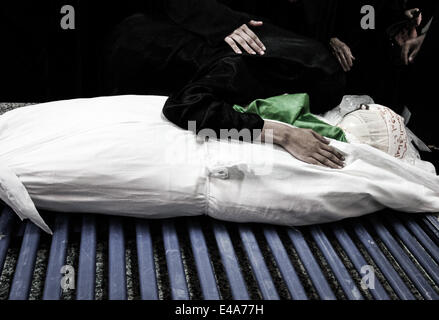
<point>275,132</point>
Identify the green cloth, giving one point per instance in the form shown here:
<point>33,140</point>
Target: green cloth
<point>292,109</point>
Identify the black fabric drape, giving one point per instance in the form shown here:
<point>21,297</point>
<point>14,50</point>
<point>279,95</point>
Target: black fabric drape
<point>426,6</point>
<point>312,18</point>
<point>320,18</point>
<point>152,55</point>
<point>209,19</point>
<point>159,50</point>
<point>420,86</point>
<point>292,64</point>
<point>348,18</point>
<point>374,73</point>
<point>24,55</point>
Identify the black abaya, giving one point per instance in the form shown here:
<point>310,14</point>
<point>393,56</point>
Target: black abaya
<point>292,64</point>
<point>420,86</point>
<point>158,51</point>
<point>160,56</point>
<point>373,73</point>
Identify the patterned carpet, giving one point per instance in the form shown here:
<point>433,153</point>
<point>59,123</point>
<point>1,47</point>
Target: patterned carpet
<point>5,107</point>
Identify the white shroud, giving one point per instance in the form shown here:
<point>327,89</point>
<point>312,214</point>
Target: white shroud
<point>119,156</point>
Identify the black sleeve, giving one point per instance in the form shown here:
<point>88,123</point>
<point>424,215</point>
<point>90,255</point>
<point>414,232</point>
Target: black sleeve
<point>321,18</point>
<point>209,99</point>
<point>390,12</point>
<point>348,28</point>
<point>207,18</point>
<point>429,48</point>
<point>426,6</point>
<point>346,25</point>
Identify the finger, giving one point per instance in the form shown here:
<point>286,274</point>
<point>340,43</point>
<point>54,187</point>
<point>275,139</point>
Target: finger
<point>405,54</point>
<point>349,52</point>
<point>348,59</point>
<point>313,162</point>
<point>413,33</point>
<point>320,137</point>
<point>344,60</point>
<point>332,157</point>
<point>414,11</point>
<point>349,56</point>
<point>254,23</point>
<point>410,13</point>
<point>413,55</point>
<point>237,37</point>
<point>249,36</point>
<point>334,151</point>
<point>340,61</point>
<point>255,38</point>
<point>233,45</point>
<point>325,161</point>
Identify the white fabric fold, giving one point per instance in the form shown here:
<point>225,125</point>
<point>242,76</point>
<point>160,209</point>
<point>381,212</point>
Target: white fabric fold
<point>15,195</point>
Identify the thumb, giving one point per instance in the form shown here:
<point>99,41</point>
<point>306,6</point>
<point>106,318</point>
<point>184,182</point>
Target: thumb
<point>413,33</point>
<point>404,54</point>
<point>413,55</point>
<point>254,23</point>
<point>419,21</point>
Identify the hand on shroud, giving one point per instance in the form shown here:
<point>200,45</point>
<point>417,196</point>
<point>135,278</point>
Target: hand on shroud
<point>343,54</point>
<point>303,144</point>
<point>245,38</point>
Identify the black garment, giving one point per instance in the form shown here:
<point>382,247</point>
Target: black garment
<point>160,54</point>
<point>24,57</point>
<point>427,8</point>
<point>325,19</point>
<point>158,51</point>
<point>348,18</point>
<point>311,18</point>
<point>374,72</point>
<point>209,19</point>
<point>292,64</point>
<point>420,86</point>
<point>151,55</point>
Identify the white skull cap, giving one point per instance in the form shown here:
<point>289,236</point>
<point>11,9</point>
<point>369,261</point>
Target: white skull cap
<point>379,127</point>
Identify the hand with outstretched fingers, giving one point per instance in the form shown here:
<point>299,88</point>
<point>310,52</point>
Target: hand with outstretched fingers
<point>244,38</point>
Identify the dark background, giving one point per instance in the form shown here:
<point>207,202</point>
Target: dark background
<point>39,61</point>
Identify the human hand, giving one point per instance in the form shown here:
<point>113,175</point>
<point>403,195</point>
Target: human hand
<point>411,49</point>
<point>409,32</point>
<point>411,13</point>
<point>343,54</point>
<point>304,144</point>
<point>246,39</point>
